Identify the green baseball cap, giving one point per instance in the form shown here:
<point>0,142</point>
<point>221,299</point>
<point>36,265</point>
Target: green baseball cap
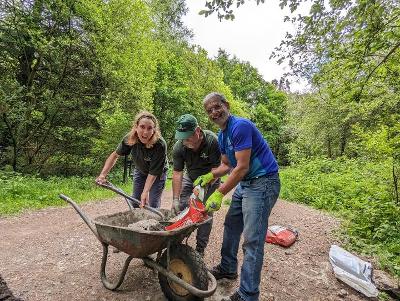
<point>186,126</point>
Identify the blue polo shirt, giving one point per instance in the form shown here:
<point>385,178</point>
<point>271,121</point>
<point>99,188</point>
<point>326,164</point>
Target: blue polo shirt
<point>241,134</point>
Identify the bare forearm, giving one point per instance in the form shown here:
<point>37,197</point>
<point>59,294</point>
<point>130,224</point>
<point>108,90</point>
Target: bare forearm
<point>176,184</point>
<point>238,173</point>
<point>108,165</point>
<point>221,170</point>
<point>234,178</point>
<point>149,182</point>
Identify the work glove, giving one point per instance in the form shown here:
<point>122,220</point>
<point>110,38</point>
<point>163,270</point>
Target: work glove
<point>214,201</point>
<point>204,179</point>
<point>175,208</point>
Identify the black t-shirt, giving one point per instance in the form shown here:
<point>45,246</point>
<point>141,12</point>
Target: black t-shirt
<point>197,162</point>
<point>148,160</point>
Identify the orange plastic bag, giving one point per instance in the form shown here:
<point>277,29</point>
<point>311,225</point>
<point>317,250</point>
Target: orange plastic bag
<point>282,236</point>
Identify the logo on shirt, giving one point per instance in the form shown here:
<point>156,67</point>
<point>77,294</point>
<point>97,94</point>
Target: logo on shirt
<point>147,159</point>
<point>203,156</point>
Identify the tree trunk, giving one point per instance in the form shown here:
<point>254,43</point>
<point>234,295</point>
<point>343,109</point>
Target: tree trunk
<point>395,184</point>
<point>329,147</point>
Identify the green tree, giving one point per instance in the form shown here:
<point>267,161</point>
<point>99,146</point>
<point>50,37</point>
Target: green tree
<point>48,72</point>
<point>185,76</point>
<point>122,34</point>
<point>349,50</point>
<point>267,105</point>
<point>167,16</point>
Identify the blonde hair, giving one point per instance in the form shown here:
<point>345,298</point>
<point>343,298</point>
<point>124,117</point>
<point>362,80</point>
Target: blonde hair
<point>133,136</point>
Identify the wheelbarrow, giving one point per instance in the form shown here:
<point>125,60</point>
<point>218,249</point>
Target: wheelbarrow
<point>182,273</point>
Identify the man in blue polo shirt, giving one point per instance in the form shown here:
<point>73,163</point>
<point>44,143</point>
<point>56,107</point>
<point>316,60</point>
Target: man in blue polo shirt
<point>254,172</point>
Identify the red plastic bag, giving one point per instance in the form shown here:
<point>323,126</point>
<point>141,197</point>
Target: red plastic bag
<point>195,213</point>
<point>282,236</point>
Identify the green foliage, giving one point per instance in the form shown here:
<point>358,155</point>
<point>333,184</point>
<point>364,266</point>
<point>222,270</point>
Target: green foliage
<point>360,191</point>
<point>314,126</point>
<point>114,126</point>
<point>349,50</point>
<point>28,192</point>
<point>266,105</point>
<point>167,15</point>
<point>48,71</point>
<point>75,74</point>
<point>185,76</point>
<point>357,38</point>
<point>243,79</point>
<point>224,9</point>
<point>380,144</point>
<point>121,32</point>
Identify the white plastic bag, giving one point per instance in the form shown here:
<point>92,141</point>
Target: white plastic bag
<point>352,270</point>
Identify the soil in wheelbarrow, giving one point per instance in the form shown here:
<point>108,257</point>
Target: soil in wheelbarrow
<point>52,255</point>
<point>147,225</point>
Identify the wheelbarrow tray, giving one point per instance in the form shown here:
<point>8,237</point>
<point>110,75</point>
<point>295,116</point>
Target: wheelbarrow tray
<point>113,230</point>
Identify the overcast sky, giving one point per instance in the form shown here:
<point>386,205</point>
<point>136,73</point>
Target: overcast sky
<point>252,36</point>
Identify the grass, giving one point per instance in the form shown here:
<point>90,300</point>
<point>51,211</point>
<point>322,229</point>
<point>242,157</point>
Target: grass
<point>19,192</point>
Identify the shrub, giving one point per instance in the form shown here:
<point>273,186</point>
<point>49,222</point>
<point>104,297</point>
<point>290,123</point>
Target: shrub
<point>358,191</point>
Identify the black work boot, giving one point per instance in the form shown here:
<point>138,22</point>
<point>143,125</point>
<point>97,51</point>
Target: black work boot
<point>219,273</point>
<point>234,297</point>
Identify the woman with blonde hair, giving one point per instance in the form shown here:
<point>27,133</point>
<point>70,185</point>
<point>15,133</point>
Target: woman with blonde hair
<point>149,155</point>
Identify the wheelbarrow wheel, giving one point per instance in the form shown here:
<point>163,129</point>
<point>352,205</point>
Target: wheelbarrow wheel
<point>188,265</point>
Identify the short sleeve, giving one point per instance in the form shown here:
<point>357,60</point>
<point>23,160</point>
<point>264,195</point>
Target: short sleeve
<point>123,148</point>
<point>177,156</point>
<point>241,136</point>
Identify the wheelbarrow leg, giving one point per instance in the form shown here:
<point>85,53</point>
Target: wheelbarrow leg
<point>107,284</point>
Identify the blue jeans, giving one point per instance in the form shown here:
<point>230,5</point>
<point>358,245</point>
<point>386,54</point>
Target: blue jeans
<point>139,179</point>
<point>248,213</point>
<point>203,231</point>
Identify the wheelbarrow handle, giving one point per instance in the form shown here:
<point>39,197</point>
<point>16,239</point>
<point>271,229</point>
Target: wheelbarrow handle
<point>119,191</point>
<point>85,218</point>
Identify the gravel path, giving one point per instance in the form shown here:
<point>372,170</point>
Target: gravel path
<point>52,255</point>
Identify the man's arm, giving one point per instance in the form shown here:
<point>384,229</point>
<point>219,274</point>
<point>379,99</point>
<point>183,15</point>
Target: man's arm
<point>222,169</point>
<point>237,174</point>
<point>176,184</point>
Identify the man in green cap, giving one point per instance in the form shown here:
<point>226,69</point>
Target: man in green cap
<point>198,151</point>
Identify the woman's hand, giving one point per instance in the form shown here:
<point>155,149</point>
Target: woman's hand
<point>101,179</point>
<point>144,198</point>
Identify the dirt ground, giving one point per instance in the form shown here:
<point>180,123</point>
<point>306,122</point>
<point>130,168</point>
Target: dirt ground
<point>52,255</point>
